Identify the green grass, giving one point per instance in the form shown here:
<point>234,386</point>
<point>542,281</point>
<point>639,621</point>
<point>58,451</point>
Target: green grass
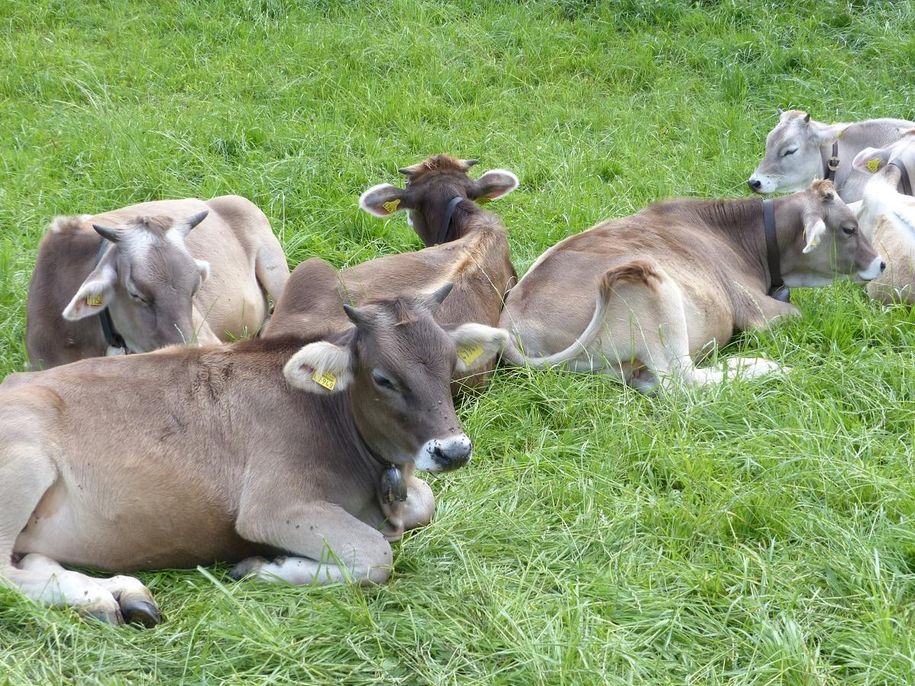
<point>753,533</point>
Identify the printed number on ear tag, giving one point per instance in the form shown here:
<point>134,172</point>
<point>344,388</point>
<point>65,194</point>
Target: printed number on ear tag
<point>391,205</point>
<point>469,354</point>
<point>325,379</point>
<point>873,165</point>
<point>94,300</point>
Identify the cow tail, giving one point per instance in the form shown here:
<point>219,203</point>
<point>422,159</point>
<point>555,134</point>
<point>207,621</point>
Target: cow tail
<point>633,271</point>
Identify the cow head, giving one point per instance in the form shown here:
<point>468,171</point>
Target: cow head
<point>830,244</point>
<point>431,186</point>
<point>397,365</point>
<point>147,279</point>
<point>793,158</point>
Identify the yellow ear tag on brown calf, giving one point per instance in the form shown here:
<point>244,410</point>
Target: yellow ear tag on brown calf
<point>469,353</point>
<point>873,165</point>
<point>325,379</point>
<point>391,205</point>
<point>94,300</point>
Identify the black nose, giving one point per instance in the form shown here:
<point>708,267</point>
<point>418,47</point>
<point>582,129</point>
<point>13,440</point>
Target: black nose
<point>754,184</point>
<point>882,266</point>
<point>452,453</point>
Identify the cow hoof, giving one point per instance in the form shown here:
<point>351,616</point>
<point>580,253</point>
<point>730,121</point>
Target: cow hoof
<point>139,611</point>
<point>105,615</point>
<point>247,567</point>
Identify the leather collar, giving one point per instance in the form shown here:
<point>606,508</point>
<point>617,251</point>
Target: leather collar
<point>903,177</point>
<point>445,227</point>
<point>112,337</point>
<point>777,289</point>
<point>832,164</point>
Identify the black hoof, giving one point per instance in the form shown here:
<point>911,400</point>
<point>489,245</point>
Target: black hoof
<point>140,611</point>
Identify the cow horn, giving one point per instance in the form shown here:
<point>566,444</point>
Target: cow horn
<point>109,234</point>
<point>196,219</point>
<point>355,315</point>
<point>780,111</point>
<point>469,163</point>
<point>441,293</point>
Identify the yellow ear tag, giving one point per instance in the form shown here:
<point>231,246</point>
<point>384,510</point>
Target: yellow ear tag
<point>325,379</point>
<point>391,205</point>
<point>873,165</point>
<point>94,300</point>
<point>469,354</point>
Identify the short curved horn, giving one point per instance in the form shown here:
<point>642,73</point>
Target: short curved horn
<point>109,234</point>
<point>194,220</point>
<point>355,315</point>
<point>439,295</point>
<point>469,163</point>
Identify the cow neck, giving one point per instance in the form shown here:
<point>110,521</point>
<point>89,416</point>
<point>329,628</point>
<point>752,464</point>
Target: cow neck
<point>444,228</point>
<point>777,288</point>
<point>392,486</point>
<point>903,177</point>
<point>831,165</point>
<point>112,337</point>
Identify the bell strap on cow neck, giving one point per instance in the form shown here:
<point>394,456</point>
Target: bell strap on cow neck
<point>903,177</point>
<point>445,227</point>
<point>832,164</point>
<point>112,337</point>
<point>777,289</point>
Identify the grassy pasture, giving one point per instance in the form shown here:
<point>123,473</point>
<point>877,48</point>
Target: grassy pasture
<point>753,533</point>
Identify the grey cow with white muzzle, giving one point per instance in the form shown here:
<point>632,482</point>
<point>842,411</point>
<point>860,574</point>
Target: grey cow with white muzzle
<point>287,446</point>
<point>800,149</point>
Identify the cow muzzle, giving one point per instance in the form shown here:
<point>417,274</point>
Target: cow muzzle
<point>874,269</point>
<point>444,454</point>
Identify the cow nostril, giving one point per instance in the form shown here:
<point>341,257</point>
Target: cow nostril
<point>754,184</point>
<point>882,265</point>
<point>452,453</point>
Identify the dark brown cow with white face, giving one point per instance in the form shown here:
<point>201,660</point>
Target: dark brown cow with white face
<point>676,278</point>
<point>469,248</point>
<point>162,272</point>
<point>186,456</point>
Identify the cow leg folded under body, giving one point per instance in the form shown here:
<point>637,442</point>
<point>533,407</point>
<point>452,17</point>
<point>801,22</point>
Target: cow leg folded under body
<point>326,545</point>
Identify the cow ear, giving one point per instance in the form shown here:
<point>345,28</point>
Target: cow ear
<point>814,228</point>
<point>94,295</point>
<point>827,133</point>
<point>383,199</point>
<point>493,184</point>
<point>320,368</point>
<point>871,160</point>
<point>477,345</point>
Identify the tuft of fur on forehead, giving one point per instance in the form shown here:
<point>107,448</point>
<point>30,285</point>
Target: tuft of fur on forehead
<point>824,188</point>
<point>159,224</point>
<point>793,114</point>
<point>438,163</point>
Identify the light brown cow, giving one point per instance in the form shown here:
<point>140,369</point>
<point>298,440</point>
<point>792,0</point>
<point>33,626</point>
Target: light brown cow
<point>887,216</point>
<point>675,279</point>
<point>189,455</point>
<point>470,250</point>
<point>142,272</point>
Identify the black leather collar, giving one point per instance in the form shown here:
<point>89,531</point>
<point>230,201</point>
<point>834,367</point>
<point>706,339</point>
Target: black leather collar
<point>903,177</point>
<point>112,337</point>
<point>832,164</point>
<point>777,289</point>
<point>445,227</point>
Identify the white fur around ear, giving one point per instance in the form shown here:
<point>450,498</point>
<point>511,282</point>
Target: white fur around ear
<point>871,160</point>
<point>477,345</point>
<point>813,233</point>
<point>496,183</point>
<point>382,200</point>
<point>204,267</point>
<point>94,295</point>
<point>320,367</point>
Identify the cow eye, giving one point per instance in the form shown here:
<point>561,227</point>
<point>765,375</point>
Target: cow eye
<point>789,151</point>
<point>849,229</point>
<point>137,298</point>
<point>382,381</point>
